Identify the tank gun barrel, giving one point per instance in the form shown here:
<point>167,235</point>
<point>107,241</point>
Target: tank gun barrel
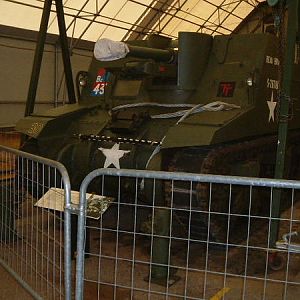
<point>107,50</point>
<point>164,55</point>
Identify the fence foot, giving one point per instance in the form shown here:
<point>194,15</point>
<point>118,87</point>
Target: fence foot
<point>163,281</point>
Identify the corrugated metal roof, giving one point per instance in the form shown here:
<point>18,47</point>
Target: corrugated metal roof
<point>134,19</point>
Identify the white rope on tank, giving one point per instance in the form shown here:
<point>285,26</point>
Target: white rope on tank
<point>193,108</point>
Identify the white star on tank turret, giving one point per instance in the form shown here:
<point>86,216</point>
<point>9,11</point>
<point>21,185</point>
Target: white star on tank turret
<point>113,155</point>
<point>271,105</point>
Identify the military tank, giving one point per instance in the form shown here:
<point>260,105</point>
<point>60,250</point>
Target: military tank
<point>199,104</point>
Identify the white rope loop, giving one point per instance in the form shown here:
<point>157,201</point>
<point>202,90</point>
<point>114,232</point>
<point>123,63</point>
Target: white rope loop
<point>193,108</point>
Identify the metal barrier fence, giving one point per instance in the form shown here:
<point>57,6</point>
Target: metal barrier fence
<point>161,235</point>
<point>35,234</point>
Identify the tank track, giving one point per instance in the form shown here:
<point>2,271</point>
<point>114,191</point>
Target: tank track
<point>225,159</point>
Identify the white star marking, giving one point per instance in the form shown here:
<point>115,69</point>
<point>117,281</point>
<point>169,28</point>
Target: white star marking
<point>271,105</point>
<point>113,155</point>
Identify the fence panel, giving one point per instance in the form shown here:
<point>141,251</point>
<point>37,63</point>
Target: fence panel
<point>34,225</point>
<point>161,235</point>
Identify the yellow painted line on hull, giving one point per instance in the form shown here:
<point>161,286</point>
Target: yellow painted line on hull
<point>220,294</point>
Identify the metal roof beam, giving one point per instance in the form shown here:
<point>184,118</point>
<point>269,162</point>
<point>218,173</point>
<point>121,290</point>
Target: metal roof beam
<point>156,10</point>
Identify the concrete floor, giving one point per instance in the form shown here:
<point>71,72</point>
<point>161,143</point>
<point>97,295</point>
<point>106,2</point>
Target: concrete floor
<point>10,289</point>
<point>130,278</point>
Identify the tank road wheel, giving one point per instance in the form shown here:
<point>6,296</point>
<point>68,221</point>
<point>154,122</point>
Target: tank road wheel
<point>190,202</point>
<point>212,203</point>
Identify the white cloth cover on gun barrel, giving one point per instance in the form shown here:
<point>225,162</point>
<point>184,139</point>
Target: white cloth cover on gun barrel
<point>107,50</point>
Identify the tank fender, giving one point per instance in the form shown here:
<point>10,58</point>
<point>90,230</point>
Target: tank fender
<point>37,123</point>
<point>199,129</point>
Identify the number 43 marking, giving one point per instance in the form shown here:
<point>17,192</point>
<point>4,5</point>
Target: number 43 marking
<point>99,88</point>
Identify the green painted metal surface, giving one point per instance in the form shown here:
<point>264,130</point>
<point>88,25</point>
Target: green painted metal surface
<point>273,2</point>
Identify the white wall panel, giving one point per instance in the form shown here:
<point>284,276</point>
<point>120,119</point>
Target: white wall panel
<point>15,71</point>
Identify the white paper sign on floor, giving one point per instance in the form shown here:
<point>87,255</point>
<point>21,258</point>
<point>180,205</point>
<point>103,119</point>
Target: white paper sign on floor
<point>54,199</point>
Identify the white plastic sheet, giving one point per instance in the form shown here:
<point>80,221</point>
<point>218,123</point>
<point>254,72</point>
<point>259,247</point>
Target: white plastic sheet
<point>107,50</point>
